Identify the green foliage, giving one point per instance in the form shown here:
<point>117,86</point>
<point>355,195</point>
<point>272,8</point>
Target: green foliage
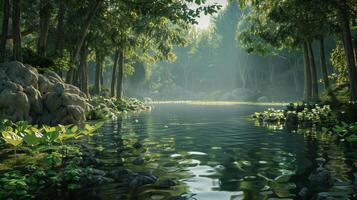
<point>343,131</point>
<point>110,108</point>
<point>47,162</point>
<point>338,123</point>
<point>303,115</point>
<point>338,60</point>
<point>17,133</point>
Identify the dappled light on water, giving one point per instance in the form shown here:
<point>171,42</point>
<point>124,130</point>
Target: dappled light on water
<point>214,152</point>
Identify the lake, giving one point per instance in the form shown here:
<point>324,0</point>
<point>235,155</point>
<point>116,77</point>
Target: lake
<point>215,152</point>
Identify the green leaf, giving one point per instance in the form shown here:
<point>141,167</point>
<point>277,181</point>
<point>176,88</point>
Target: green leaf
<point>51,136</point>
<point>89,128</point>
<point>49,129</point>
<point>74,129</point>
<point>352,138</point>
<point>99,125</point>
<point>32,139</point>
<point>12,138</point>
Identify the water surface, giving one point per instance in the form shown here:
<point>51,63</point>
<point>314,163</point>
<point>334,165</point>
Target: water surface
<point>216,153</point>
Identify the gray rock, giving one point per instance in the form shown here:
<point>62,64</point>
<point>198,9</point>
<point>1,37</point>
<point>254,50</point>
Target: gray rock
<point>138,161</point>
<point>304,193</point>
<point>167,183</point>
<point>98,179</point>
<point>324,196</point>
<point>321,178</point>
<point>137,145</point>
<point>120,173</point>
<point>40,98</point>
<point>141,179</point>
<point>291,119</point>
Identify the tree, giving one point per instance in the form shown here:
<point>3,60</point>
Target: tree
<point>114,73</point>
<point>45,10</point>
<point>323,63</point>
<point>5,29</point>
<point>81,36</point>
<point>16,31</point>
<point>315,87</point>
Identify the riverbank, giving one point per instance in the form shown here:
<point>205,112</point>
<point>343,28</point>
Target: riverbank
<point>338,122</point>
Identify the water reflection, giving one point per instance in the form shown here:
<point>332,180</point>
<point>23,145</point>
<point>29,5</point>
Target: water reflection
<point>216,153</point>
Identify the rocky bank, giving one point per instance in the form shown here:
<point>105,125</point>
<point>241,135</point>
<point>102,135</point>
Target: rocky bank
<point>27,95</point>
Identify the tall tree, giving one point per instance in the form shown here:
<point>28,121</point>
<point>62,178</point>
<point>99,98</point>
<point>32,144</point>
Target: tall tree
<point>114,73</point>
<point>82,34</point>
<point>44,26</point>
<point>16,30</point>
<point>307,72</point>
<point>315,86</point>
<point>98,73</point>
<point>323,63</point>
<point>82,75</point>
<point>344,24</point>
<point>5,29</point>
<point>120,74</point>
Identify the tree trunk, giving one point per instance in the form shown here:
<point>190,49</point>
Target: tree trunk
<point>120,74</point>
<point>60,32</point>
<point>5,29</point>
<point>60,28</point>
<point>16,31</point>
<point>347,41</point>
<point>74,78</point>
<point>85,74</point>
<point>323,64</point>
<point>114,74</point>
<point>69,76</point>
<point>82,70</point>
<point>315,86</point>
<point>98,71</point>
<point>101,74</point>
<point>45,10</point>
<point>83,33</point>
<point>355,50</point>
<point>307,74</point>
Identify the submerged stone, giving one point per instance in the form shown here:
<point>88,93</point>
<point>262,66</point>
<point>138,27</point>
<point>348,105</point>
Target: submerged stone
<point>138,161</point>
<point>137,145</point>
<point>167,183</point>
<point>324,196</point>
<point>321,178</point>
<point>141,179</point>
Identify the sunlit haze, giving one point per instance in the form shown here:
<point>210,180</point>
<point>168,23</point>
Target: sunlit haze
<point>204,20</point>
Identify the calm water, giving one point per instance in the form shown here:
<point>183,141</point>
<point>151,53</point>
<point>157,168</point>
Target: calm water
<point>216,153</point>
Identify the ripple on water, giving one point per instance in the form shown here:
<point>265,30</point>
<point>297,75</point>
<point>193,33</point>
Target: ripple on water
<point>219,155</point>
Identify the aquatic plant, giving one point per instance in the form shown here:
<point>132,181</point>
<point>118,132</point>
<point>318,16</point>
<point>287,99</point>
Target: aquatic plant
<point>305,115</point>
<point>343,131</point>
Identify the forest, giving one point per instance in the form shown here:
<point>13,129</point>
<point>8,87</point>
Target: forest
<point>178,99</point>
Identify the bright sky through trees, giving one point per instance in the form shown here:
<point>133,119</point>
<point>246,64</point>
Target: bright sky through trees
<point>204,20</point>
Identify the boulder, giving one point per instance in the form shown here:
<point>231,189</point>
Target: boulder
<point>321,178</point>
<point>39,98</point>
<point>141,179</point>
<point>304,193</point>
<point>291,119</point>
<point>138,161</point>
